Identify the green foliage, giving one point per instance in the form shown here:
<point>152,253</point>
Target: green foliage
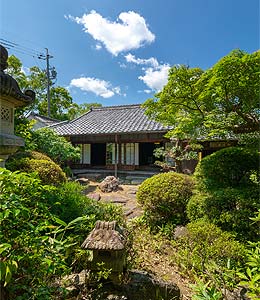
<point>250,140</point>
<point>175,154</point>
<point>15,70</point>
<point>31,161</point>
<point>27,237</point>
<point>228,167</point>
<point>205,292</point>
<point>68,202</point>
<point>229,208</point>
<point>23,128</point>
<point>33,233</point>
<point>250,276</point>
<point>179,95</point>
<point>164,198</point>
<point>49,172</point>
<point>227,192</point>
<point>28,154</point>
<point>61,101</point>
<point>57,147</point>
<point>209,252</point>
<point>221,100</point>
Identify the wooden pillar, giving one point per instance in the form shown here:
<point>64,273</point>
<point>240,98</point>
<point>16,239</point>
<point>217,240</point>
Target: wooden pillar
<point>119,153</point>
<point>116,145</point>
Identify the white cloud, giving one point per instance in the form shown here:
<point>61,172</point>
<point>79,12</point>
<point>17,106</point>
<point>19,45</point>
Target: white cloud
<point>156,75</point>
<point>130,31</point>
<point>97,86</point>
<point>156,78</point>
<point>147,91</point>
<point>122,65</point>
<point>98,47</point>
<point>139,61</point>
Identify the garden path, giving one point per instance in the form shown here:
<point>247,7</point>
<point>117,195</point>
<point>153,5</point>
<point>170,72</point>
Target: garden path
<point>125,196</point>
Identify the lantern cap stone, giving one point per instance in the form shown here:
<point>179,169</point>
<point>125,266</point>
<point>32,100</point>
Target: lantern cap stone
<point>105,236</point>
<point>9,88</point>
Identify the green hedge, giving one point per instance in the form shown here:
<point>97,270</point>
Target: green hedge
<point>228,167</point>
<point>164,197</point>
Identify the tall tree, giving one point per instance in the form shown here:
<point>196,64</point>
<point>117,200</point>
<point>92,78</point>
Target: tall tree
<point>220,101</point>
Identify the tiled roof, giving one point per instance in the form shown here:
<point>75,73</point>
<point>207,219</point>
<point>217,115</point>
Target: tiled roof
<point>110,119</point>
<point>43,119</point>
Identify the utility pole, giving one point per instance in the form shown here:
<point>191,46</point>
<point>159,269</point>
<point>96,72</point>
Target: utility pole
<point>51,76</point>
<point>48,82</point>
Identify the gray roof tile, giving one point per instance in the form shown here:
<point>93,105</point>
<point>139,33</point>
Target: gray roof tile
<point>110,119</point>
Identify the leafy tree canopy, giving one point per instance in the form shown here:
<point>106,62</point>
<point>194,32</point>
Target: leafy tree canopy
<point>220,101</point>
<point>47,141</point>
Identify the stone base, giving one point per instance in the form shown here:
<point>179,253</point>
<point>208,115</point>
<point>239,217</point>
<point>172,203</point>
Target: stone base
<point>8,145</point>
<point>134,285</point>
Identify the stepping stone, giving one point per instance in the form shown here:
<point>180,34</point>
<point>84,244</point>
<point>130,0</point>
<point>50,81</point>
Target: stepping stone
<point>137,181</point>
<point>94,196</point>
<point>82,181</point>
<point>132,191</point>
<point>116,200</point>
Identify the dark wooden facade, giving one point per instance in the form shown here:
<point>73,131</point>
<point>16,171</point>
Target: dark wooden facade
<point>143,146</point>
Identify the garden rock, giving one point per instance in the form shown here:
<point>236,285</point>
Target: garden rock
<point>137,285</point>
<point>238,294</point>
<point>109,184</point>
<point>142,285</point>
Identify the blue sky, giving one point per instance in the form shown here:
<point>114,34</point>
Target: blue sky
<point>119,51</point>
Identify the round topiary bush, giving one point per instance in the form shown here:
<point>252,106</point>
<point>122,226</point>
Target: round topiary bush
<point>228,167</point>
<point>31,161</point>
<point>164,198</point>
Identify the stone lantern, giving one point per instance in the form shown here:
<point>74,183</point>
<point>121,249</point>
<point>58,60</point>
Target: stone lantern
<point>107,244</point>
<point>10,97</point>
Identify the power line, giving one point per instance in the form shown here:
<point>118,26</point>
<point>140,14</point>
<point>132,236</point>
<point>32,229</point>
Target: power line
<point>35,54</point>
<point>19,48</point>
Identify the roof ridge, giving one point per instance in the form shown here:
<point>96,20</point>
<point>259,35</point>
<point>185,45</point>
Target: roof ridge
<point>104,108</point>
<point>117,106</point>
<point>32,113</point>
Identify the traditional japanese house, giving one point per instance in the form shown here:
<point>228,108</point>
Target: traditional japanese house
<point>111,137</point>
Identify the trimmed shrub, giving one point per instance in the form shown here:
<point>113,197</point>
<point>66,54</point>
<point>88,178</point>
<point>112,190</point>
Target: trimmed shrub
<point>228,167</point>
<point>31,161</point>
<point>164,198</point>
